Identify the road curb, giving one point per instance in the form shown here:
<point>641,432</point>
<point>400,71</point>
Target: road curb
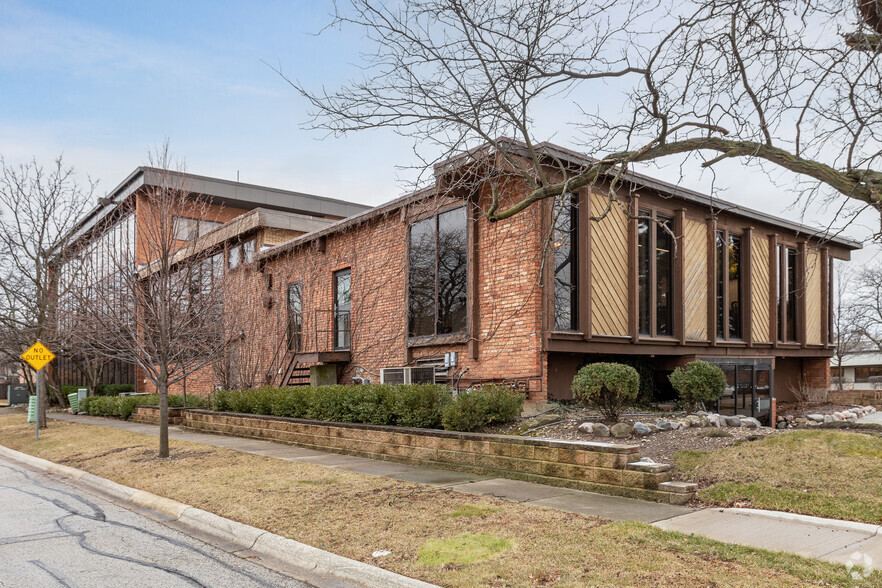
<point>807,520</point>
<point>307,563</point>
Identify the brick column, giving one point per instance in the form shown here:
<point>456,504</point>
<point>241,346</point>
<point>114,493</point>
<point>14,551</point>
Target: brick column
<point>816,373</point>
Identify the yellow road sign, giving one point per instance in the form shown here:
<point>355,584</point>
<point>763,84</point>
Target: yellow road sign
<point>38,356</point>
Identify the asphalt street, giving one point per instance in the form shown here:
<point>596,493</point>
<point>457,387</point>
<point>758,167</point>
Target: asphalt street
<point>52,534</point>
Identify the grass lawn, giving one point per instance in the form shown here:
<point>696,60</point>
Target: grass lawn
<point>436,535</point>
<point>823,473</point>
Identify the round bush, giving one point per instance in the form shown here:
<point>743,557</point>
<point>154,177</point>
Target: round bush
<point>699,382</point>
<point>608,387</point>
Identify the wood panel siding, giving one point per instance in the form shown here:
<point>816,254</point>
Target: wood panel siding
<point>759,294</point>
<point>695,279</point>
<point>813,297</point>
<point>609,269</point>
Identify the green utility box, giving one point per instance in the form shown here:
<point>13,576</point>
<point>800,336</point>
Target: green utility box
<point>18,394</point>
<point>74,400</point>
<point>32,409</point>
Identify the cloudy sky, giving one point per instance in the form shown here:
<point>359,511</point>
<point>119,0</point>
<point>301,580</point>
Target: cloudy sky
<point>104,82</point>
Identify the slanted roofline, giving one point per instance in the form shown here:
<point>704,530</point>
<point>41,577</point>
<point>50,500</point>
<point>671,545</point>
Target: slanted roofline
<point>578,159</point>
<point>226,192</point>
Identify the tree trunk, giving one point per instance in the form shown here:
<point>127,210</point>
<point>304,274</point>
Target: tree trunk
<point>162,388</point>
<point>43,395</point>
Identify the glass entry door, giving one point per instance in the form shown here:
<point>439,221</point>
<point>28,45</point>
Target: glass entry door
<point>748,388</point>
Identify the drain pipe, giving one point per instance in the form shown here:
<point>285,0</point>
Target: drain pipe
<point>458,379</point>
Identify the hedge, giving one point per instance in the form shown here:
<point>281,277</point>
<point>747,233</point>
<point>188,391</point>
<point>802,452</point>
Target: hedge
<point>425,406</point>
<point>123,406</point>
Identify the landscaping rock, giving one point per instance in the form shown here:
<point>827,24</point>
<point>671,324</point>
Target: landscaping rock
<point>705,422</point>
<point>828,418</point>
<point>653,428</point>
<point>694,421</point>
<point>714,420</point>
<point>641,429</point>
<point>782,425</point>
<point>601,430</point>
<point>621,430</point>
<point>750,423</point>
<point>664,426</point>
<point>818,418</point>
<point>733,421</point>
<point>587,428</point>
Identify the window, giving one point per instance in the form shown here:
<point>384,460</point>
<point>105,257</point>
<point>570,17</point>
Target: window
<point>655,274</point>
<point>564,242</point>
<point>242,253</point>
<point>437,283</point>
<point>187,229</point>
<point>342,308</point>
<point>787,291</point>
<point>728,286</point>
<point>830,299</point>
<point>295,316</point>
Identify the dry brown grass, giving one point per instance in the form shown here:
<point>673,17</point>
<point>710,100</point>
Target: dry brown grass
<point>354,515</point>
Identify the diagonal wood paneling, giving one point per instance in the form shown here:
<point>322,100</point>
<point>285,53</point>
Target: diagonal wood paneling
<point>609,270</point>
<point>759,291</point>
<point>695,279</point>
<point>813,297</point>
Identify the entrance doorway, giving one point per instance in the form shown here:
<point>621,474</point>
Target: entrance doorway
<point>748,388</point>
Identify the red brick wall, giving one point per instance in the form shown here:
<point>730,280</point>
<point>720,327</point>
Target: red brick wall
<point>816,372</point>
<point>508,294</point>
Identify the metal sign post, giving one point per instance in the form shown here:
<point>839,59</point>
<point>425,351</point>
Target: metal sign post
<point>38,356</point>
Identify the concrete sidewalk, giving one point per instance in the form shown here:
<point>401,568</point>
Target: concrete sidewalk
<point>827,539</point>
<point>587,503</point>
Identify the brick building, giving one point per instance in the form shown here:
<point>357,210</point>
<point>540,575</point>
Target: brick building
<point>671,276</point>
<point>240,218</point>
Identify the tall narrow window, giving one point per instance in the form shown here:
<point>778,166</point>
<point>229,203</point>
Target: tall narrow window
<point>643,262</point>
<point>342,308</point>
<point>295,316</point>
<point>655,274</point>
<point>564,241</point>
<point>437,283</point>
<point>730,318</point>
<point>830,299</point>
<point>734,275</point>
<point>664,276</point>
<point>787,292</point>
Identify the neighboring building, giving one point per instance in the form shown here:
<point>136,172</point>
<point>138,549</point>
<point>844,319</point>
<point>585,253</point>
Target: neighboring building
<point>861,370</point>
<point>527,301</point>
<point>253,217</point>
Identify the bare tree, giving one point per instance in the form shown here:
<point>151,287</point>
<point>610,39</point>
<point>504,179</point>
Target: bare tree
<point>847,333</point>
<point>156,298</point>
<point>791,84</point>
<point>39,206</point>
<point>864,308</point>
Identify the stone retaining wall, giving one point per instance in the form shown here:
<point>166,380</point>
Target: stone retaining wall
<point>862,397</point>
<point>150,415</point>
<point>596,467</point>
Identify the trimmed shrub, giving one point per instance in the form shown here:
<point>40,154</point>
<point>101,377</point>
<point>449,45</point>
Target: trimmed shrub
<point>417,405</point>
<point>700,382</point>
<point>481,407</point>
<point>608,387</point>
<point>112,389</point>
<point>123,406</point>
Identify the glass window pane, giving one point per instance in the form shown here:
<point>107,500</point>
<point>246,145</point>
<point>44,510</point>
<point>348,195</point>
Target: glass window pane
<point>452,260</point>
<point>295,316</point>
<point>791,295</point>
<point>248,251</point>
<point>563,242</point>
<point>664,277</point>
<point>734,285</point>
<point>643,257</point>
<point>422,278</point>
<point>235,256</point>
<point>342,308</point>
<point>722,266</point>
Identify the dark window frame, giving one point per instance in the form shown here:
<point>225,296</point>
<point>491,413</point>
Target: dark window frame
<point>571,262</point>
<point>648,255</point>
<point>723,303</point>
<point>437,322</point>
<point>295,335</point>
<point>342,327</point>
<point>788,294</point>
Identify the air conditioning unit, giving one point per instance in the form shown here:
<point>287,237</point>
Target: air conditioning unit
<point>408,375</point>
